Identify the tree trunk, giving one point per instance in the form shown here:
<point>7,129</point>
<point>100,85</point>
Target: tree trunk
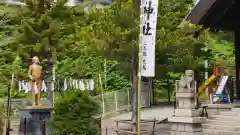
<point>136,7</point>
<point>134,92</point>
<point>49,79</point>
<point>145,91</point>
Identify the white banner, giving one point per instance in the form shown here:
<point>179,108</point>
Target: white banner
<point>148,22</point>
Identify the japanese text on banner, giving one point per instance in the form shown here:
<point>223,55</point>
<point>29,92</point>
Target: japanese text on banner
<point>148,36</point>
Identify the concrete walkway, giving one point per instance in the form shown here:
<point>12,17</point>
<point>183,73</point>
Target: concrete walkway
<point>159,112</point>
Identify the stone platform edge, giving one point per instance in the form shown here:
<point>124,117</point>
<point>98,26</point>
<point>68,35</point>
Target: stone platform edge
<point>187,119</point>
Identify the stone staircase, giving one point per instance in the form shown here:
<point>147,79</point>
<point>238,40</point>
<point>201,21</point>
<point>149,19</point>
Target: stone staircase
<point>15,122</point>
<point>226,123</point>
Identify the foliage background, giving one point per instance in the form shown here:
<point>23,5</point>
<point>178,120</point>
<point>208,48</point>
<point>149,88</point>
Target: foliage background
<point>86,42</point>
<point>101,44</point>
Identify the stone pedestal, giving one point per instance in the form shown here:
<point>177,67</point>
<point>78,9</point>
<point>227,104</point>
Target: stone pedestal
<point>35,115</point>
<point>186,120</point>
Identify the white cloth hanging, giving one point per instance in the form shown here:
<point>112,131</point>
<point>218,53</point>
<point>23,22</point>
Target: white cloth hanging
<point>76,84</point>
<point>73,84</point>
<point>71,81</point>
<point>44,87</point>
<point>65,84</point>
<point>19,86</point>
<point>81,85</point>
<point>28,87</point>
<point>24,86</point>
<point>91,84</point>
<point>87,84</point>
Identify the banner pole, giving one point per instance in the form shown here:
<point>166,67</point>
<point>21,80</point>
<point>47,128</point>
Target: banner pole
<point>139,73</point>
<point>146,53</point>
<point>139,85</point>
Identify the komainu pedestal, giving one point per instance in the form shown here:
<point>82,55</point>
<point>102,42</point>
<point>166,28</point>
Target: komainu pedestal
<point>186,120</point>
<point>32,118</point>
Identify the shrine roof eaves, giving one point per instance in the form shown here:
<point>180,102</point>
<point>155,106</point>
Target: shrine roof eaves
<point>212,13</point>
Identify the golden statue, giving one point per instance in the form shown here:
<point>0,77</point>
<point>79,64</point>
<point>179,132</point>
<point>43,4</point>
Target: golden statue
<point>35,74</point>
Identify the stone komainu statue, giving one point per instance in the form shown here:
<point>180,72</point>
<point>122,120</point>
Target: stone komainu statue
<point>187,81</point>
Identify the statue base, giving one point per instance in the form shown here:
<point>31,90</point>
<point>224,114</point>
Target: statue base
<point>186,129</point>
<point>186,125</point>
<point>186,120</point>
<point>32,118</point>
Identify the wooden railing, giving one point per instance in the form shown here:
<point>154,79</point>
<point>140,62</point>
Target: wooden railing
<point>125,131</point>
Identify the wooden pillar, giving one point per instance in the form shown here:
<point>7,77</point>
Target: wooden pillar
<point>237,61</point>
<point>237,46</point>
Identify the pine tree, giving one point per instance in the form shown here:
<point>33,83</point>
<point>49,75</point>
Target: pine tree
<point>114,33</point>
<point>8,59</point>
<point>42,26</point>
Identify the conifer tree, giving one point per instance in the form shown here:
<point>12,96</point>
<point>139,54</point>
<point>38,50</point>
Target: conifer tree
<point>9,62</point>
<point>43,23</point>
<point>114,33</point>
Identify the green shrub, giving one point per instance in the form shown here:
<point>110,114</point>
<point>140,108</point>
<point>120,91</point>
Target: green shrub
<point>74,114</point>
<point>3,90</point>
<point>1,116</point>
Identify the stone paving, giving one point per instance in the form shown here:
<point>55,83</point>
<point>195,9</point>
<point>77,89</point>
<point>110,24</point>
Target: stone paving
<point>160,113</point>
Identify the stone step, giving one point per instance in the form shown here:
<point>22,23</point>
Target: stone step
<point>220,122</point>
<point>162,132</point>
<point>211,112</point>
<point>15,126</point>
<point>15,117</point>
<point>220,132</point>
<point>15,123</point>
<point>225,118</point>
<point>113,132</point>
<point>236,110</point>
<point>230,113</point>
<point>221,127</point>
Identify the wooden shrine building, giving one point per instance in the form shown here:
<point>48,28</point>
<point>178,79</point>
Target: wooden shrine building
<point>223,15</point>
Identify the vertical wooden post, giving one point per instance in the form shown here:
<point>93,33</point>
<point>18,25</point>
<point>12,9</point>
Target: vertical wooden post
<point>43,127</point>
<point>237,59</point>
<point>116,100</point>
<point>25,126</point>
<point>154,124</point>
<point>106,131</point>
<point>8,124</point>
<point>128,98</point>
<point>169,88</point>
